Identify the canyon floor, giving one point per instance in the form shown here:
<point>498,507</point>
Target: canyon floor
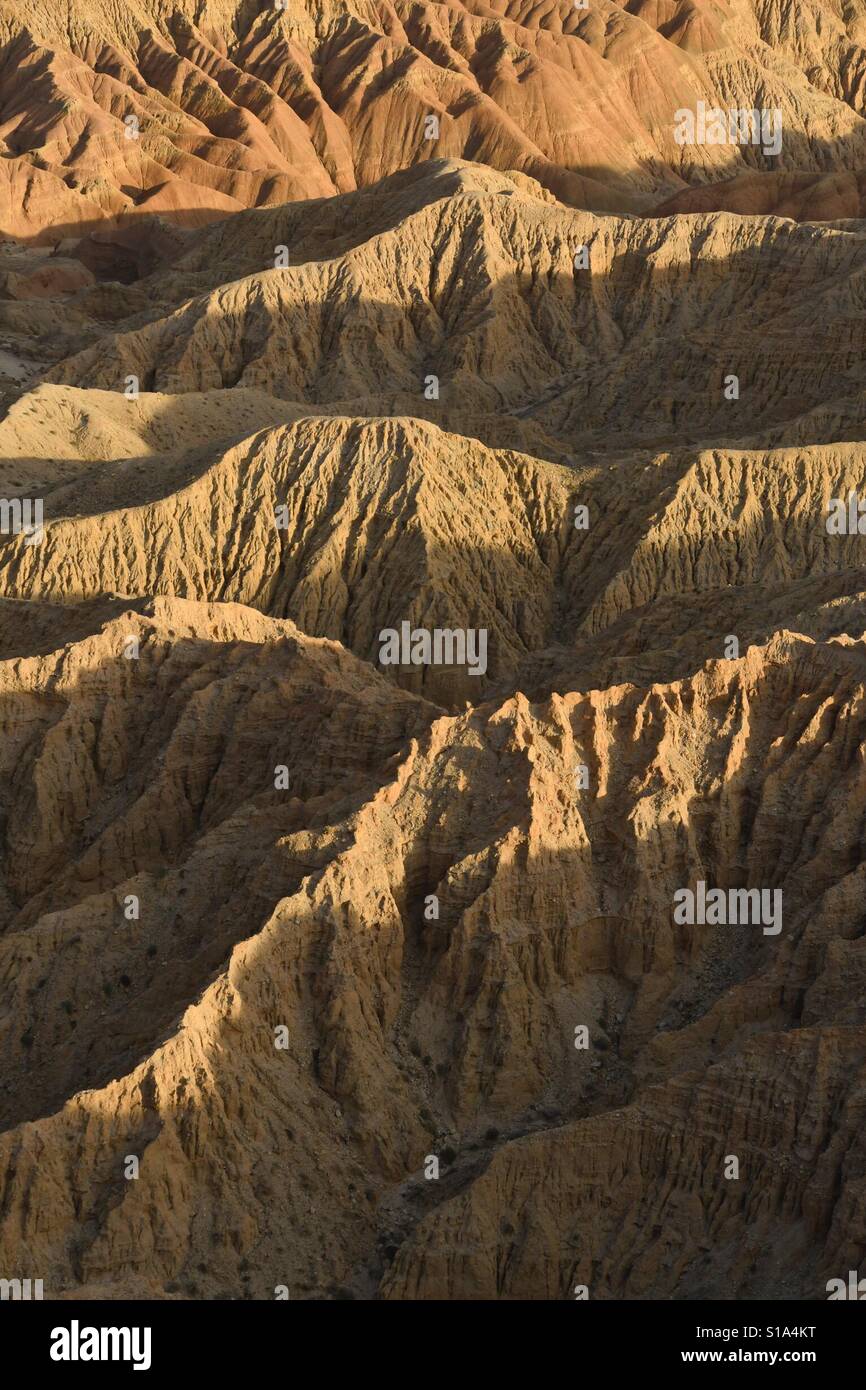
<point>322,978</point>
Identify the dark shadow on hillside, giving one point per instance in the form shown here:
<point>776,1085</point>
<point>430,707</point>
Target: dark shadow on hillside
<point>466,1047</point>
<point>620,375</point>
<point>93,988</point>
<point>490,993</point>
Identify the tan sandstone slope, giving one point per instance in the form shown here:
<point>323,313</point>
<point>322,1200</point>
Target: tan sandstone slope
<point>114,115</point>
<point>339,978</point>
<point>303,909</point>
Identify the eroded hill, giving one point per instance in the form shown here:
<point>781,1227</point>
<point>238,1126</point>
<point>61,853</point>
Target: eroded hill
<point>119,114</point>
<point>287,925</point>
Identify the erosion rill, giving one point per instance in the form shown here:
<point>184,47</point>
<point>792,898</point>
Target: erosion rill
<point>432,651</point>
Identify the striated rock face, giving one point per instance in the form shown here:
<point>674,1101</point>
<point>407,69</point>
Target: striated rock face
<point>167,108</point>
<point>273,452</point>
<point>529,962</point>
<point>304,908</point>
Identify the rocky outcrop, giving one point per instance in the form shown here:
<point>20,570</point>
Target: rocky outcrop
<point>526,975</point>
<point>426,916</point>
<point>162,108</point>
